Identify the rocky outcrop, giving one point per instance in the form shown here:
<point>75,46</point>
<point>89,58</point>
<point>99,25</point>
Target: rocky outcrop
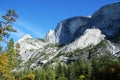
<point>24,37</point>
<point>28,46</point>
<point>89,37</point>
<point>114,48</point>
<point>66,29</point>
<point>50,37</point>
<point>107,19</point>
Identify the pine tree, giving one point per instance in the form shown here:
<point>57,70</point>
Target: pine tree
<point>58,70</point>
<point>62,77</point>
<point>72,75</point>
<point>11,55</point>
<point>6,24</point>
<point>40,74</point>
<point>17,48</point>
<point>49,73</point>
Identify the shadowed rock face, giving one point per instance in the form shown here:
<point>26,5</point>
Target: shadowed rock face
<point>66,29</point>
<point>107,19</point>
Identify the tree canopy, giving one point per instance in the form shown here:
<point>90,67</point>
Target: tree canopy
<point>6,24</point>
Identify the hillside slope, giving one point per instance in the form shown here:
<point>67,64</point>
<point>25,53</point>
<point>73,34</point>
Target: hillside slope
<point>74,38</point>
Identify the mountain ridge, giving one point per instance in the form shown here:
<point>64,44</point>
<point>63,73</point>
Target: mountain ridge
<point>76,33</point>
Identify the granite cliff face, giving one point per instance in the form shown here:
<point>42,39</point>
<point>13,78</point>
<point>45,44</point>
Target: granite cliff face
<point>107,19</point>
<point>50,37</point>
<point>77,33</point>
<point>28,46</point>
<point>89,37</point>
<point>65,30</point>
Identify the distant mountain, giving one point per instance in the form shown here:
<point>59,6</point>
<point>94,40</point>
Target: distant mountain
<point>74,38</point>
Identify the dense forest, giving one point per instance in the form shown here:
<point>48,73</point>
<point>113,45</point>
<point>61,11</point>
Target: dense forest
<point>106,67</point>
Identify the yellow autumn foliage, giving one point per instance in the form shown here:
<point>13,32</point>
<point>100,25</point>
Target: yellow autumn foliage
<point>3,64</point>
<point>4,68</point>
<point>82,77</point>
<point>30,76</point>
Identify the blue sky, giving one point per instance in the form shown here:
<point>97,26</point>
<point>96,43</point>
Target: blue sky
<point>37,17</point>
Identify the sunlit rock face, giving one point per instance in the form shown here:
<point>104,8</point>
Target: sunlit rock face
<point>107,19</point>
<point>89,37</point>
<point>28,45</point>
<point>50,37</point>
<point>66,29</point>
<point>26,36</point>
